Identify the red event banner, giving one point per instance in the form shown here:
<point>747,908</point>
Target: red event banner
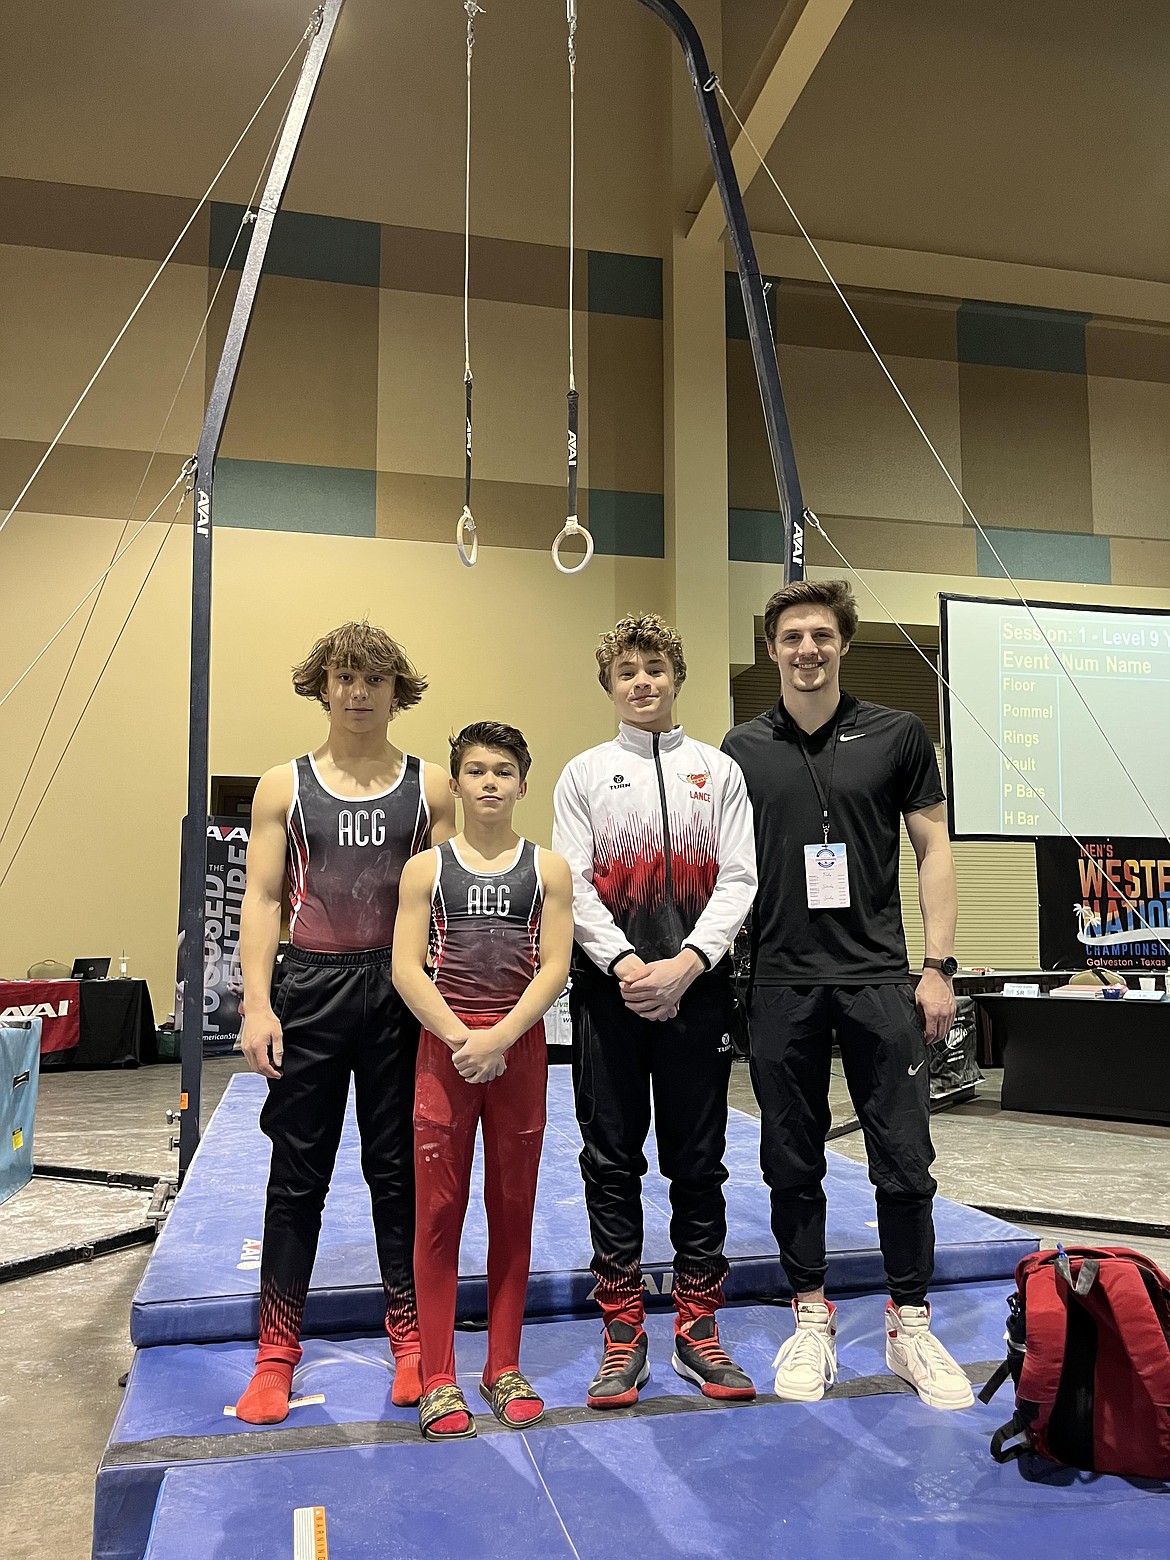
<point>57,1003</point>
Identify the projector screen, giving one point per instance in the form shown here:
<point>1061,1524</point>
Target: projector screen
<point>1012,674</point>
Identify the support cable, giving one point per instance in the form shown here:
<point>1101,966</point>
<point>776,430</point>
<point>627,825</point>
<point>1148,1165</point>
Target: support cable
<point>182,478</point>
<point>97,682</point>
<point>186,228</point>
<point>1157,934</point>
<point>572,526</point>
<point>100,586</point>
<point>466,536</point>
<point>716,85</point>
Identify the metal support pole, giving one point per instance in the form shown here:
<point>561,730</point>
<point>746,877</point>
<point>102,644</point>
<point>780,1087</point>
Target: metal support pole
<point>750,281</point>
<point>193,880</point>
<point>192,894</point>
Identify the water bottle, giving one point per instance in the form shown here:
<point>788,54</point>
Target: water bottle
<point>122,969</point>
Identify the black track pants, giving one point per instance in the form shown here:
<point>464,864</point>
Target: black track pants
<point>340,1016</point>
<point>885,1060</point>
<point>620,1062</point>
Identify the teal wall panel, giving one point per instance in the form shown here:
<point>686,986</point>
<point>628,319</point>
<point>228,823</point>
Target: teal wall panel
<point>625,284</point>
<point>319,249</point>
<point>1046,555</point>
<point>265,495</point>
<point>627,525</point>
<point>755,536</point>
<point>1005,335</point>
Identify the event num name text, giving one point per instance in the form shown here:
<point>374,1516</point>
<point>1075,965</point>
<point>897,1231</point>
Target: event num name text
<point>1122,665</point>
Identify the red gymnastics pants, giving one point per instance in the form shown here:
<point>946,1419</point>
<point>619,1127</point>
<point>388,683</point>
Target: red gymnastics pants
<point>446,1113</point>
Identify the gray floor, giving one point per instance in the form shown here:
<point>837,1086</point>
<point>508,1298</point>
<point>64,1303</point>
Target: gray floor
<point>65,1333</point>
<point>1056,1164</point>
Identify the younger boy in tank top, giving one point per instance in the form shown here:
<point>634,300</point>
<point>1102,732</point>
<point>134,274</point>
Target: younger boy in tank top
<point>481,951</point>
<point>339,824</point>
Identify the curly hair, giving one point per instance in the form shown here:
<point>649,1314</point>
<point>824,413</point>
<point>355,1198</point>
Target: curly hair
<point>646,633</point>
<point>493,734</point>
<point>833,594</point>
<point>360,648</point>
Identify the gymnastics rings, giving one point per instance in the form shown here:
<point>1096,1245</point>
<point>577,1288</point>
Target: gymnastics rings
<point>464,532</point>
<point>572,528</point>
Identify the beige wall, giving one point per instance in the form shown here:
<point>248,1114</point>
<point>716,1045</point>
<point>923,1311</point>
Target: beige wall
<point>985,128</point>
<point>150,97</point>
<point>99,869</point>
<point>363,378</point>
<point>366,379</point>
<point>912,598</point>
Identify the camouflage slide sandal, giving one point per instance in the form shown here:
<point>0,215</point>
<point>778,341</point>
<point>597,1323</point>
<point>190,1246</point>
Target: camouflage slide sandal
<point>510,1387</point>
<point>436,1405</point>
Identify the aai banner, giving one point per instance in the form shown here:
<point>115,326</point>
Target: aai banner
<point>1108,905</point>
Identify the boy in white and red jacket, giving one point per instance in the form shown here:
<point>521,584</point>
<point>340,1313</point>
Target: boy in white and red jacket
<point>658,832</point>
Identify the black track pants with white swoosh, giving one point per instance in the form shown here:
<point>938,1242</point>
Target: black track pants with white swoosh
<point>883,1052</point>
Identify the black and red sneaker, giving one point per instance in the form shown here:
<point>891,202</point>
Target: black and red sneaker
<point>623,1369</point>
<point>699,1357</point>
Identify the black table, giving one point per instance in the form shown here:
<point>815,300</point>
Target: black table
<point>971,983</point>
<point>117,1027</point>
<point>1083,1056</point>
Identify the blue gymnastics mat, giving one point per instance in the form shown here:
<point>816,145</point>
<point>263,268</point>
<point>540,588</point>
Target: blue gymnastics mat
<point>868,1477</point>
<point>202,1281</point>
<point>173,1410</point>
<point>868,1470</point>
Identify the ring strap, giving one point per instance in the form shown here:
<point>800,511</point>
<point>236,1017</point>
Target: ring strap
<point>574,409</point>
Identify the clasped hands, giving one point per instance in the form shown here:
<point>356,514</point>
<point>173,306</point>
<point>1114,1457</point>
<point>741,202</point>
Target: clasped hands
<point>478,1054</point>
<point>654,990</point>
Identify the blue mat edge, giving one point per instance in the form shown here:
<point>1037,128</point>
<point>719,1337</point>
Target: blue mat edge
<point>361,1309</point>
<point>339,1308</point>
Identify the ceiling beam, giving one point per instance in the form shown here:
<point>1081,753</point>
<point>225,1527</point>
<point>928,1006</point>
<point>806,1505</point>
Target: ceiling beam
<point>964,276</point>
<point>793,52</point>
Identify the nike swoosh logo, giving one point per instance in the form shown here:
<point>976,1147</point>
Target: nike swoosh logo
<point>918,1069</point>
<point>856,737</point>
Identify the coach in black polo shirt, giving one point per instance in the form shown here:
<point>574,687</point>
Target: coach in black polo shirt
<point>830,778</point>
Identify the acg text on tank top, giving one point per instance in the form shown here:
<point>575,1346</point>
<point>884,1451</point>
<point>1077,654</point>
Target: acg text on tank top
<point>345,856</point>
<point>485,931</point>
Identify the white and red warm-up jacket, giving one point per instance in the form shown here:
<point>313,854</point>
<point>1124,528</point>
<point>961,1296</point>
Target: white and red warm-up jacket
<point>658,831</point>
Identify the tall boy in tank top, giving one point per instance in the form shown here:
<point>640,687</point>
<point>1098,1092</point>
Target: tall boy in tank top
<point>339,824</point>
<point>481,950</point>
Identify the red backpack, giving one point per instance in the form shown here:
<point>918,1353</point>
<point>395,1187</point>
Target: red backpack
<point>1089,1351</point>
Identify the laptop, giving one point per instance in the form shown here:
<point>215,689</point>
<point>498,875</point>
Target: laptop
<point>90,969</point>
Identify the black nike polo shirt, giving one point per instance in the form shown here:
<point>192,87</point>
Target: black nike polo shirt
<point>883,766</point>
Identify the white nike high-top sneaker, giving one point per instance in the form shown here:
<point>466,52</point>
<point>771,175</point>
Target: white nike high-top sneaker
<point>807,1363</point>
<point>915,1354</point>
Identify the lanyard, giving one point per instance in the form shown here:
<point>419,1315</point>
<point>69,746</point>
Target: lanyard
<point>823,794</point>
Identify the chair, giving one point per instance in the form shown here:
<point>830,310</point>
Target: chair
<point>49,969</point>
<point>1097,976</point>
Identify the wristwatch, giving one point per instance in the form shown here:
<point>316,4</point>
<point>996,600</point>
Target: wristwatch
<point>948,966</point>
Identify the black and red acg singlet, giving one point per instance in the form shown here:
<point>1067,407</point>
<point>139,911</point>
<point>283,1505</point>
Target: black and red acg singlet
<point>485,931</point>
<point>345,856</point>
